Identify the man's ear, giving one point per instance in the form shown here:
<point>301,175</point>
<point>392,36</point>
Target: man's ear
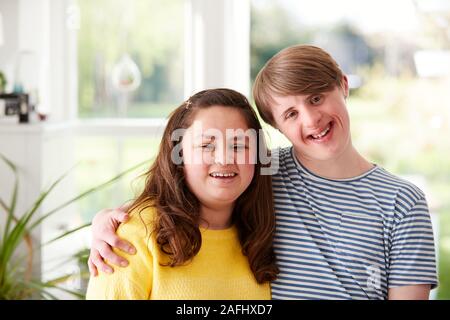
<point>344,86</point>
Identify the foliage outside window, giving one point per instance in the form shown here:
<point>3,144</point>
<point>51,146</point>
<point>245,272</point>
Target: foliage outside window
<point>148,32</point>
<point>400,120</point>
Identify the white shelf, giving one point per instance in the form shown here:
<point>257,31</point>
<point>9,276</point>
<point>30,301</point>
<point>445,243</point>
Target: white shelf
<point>42,127</point>
<point>90,127</point>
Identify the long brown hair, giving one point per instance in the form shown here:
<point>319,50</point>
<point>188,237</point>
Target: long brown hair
<point>178,211</point>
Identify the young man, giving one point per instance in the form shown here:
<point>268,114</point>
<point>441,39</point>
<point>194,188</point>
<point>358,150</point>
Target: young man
<point>346,228</point>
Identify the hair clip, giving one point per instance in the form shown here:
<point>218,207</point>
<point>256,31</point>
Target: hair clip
<point>188,103</point>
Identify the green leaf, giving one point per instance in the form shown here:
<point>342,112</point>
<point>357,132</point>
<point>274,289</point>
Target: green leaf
<point>88,192</point>
<point>3,205</point>
<point>12,240</point>
<point>53,285</point>
<point>13,281</point>
<point>10,210</point>
<point>9,163</point>
<point>10,215</point>
<point>21,258</point>
<point>65,234</point>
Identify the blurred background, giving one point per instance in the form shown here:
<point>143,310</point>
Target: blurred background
<point>85,87</point>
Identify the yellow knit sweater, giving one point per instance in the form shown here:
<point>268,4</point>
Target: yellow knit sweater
<point>218,271</point>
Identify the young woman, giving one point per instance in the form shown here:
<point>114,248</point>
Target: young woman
<point>204,223</point>
<point>346,228</point>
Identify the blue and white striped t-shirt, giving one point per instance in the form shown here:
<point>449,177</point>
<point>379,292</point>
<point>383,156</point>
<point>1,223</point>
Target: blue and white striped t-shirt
<point>350,238</point>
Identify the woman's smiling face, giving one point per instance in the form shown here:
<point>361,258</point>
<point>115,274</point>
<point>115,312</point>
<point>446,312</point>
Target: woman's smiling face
<point>217,157</point>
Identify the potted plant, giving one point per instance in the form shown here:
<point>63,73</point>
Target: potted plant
<point>16,280</point>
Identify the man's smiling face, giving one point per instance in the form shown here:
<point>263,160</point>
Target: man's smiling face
<point>318,125</point>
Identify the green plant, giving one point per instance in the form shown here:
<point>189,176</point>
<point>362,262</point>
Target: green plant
<point>16,280</point>
<point>3,82</point>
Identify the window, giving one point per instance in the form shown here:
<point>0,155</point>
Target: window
<point>397,56</point>
<point>130,58</point>
<point>100,159</point>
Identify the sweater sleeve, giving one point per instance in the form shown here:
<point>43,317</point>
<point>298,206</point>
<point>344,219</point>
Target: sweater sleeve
<point>135,281</point>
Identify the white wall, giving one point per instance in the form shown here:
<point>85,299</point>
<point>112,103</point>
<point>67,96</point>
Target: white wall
<point>42,151</point>
<point>38,32</point>
<point>41,154</point>
<point>10,12</point>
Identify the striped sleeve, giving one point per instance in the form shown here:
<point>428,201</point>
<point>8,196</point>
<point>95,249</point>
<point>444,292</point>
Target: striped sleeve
<point>412,255</point>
